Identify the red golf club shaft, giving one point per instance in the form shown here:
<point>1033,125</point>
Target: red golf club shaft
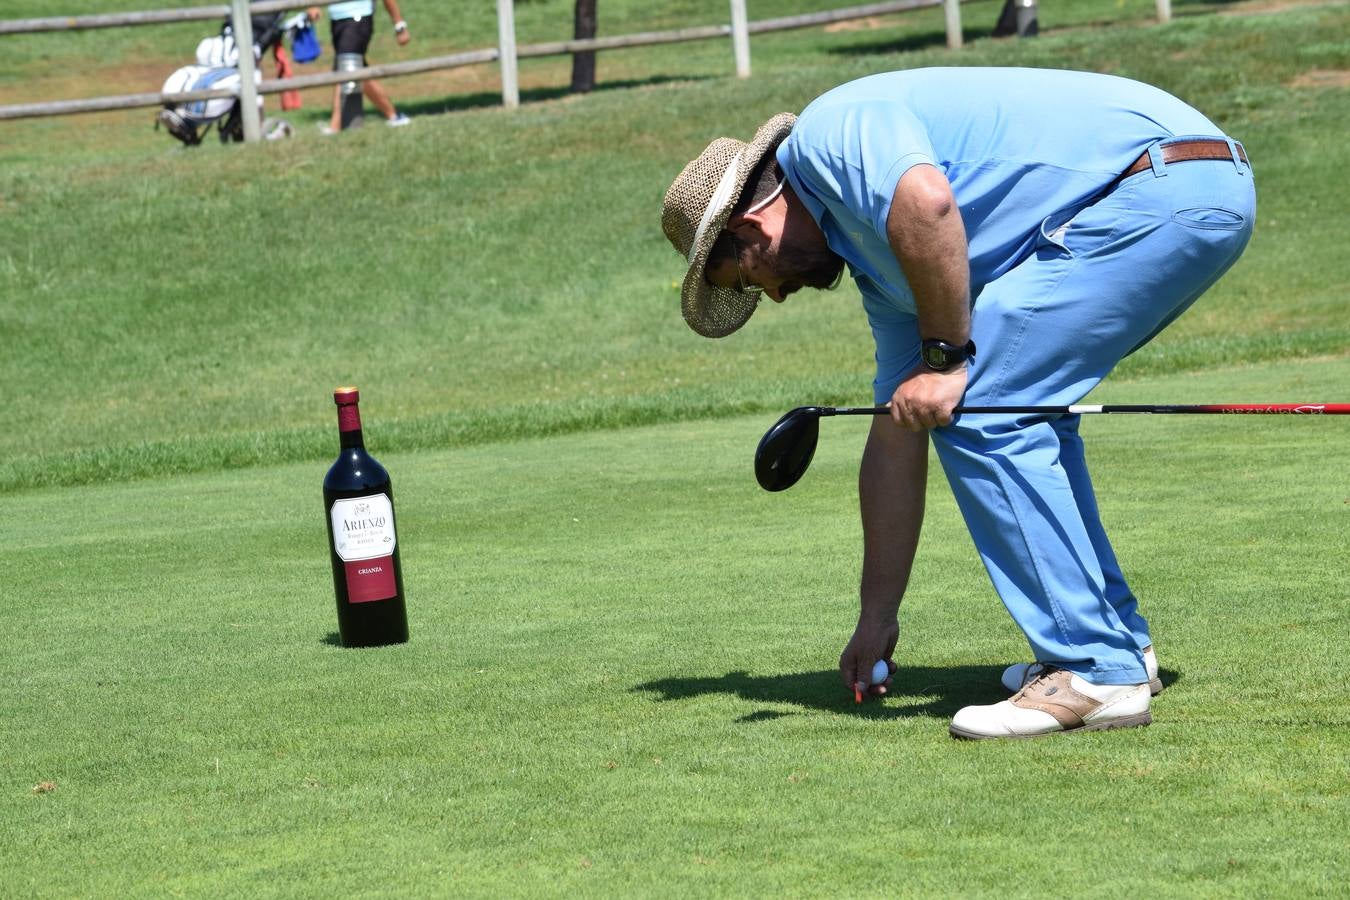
<point>1310,409</point>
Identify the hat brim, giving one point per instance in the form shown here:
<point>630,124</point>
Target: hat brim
<point>710,310</point>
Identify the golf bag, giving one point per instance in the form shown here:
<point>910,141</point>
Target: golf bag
<point>217,67</point>
<point>192,121</point>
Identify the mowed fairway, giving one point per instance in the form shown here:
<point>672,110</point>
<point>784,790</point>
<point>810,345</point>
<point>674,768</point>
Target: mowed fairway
<point>621,680</point>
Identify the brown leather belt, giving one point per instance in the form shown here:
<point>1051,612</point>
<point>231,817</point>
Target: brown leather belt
<point>1184,151</point>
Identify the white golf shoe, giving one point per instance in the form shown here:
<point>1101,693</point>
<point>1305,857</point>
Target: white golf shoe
<point>1056,701</point>
<point>1017,675</point>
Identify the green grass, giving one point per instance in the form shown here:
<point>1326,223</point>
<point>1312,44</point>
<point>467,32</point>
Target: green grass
<point>621,680</point>
<point>488,273</point>
<point>621,674</point>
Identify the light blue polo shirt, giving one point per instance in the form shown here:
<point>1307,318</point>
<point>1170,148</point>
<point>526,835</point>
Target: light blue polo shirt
<point>1017,145</point>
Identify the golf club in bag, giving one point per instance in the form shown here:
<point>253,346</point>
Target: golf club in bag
<point>785,451</point>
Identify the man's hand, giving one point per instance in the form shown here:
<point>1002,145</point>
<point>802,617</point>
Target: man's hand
<point>871,641</point>
<point>925,399</point>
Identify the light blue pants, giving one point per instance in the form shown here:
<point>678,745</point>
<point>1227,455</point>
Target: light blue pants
<point>1047,332</point>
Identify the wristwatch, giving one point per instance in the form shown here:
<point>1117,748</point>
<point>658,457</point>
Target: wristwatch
<point>940,356</point>
<point>400,26</point>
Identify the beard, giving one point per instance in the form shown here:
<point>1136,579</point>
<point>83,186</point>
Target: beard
<point>807,260</point>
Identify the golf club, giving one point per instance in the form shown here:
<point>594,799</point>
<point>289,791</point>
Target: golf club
<point>785,451</point>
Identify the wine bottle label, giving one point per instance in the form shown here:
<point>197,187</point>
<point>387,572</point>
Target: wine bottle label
<point>363,538</point>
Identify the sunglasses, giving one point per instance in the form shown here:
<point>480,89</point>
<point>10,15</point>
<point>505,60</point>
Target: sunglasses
<point>750,290</point>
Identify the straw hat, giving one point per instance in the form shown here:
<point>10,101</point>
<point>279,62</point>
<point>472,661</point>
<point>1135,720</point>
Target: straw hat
<point>695,211</point>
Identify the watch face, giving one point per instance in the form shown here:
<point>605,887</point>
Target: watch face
<point>935,357</point>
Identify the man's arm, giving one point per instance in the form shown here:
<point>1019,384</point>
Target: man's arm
<point>891,486</point>
<point>928,238</point>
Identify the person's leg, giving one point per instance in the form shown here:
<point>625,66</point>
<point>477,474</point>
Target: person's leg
<point>375,91</point>
<point>335,34</point>
<point>1047,332</point>
<point>364,30</point>
<point>1073,458</point>
<point>335,118</point>
<point>1019,505</point>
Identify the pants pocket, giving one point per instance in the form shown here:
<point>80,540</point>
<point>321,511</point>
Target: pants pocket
<point>1053,229</point>
<point>1214,218</point>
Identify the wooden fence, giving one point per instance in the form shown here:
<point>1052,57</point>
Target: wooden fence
<point>506,53</point>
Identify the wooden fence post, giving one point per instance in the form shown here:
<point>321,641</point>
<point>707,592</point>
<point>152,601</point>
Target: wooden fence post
<point>740,38</point>
<point>951,12</point>
<point>506,52</point>
<point>242,25</point>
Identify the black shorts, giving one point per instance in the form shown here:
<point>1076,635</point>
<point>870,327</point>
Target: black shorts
<point>352,36</point>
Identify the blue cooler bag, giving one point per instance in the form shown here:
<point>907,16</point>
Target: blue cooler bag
<point>305,45</point>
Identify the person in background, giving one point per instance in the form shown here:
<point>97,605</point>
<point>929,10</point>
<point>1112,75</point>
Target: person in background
<point>353,24</point>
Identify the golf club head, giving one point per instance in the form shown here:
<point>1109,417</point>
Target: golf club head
<point>785,451</point>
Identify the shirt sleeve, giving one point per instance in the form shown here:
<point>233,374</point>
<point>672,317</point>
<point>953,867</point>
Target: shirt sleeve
<point>851,156</point>
<point>896,335</point>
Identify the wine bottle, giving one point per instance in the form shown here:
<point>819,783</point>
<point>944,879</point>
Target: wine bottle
<point>362,539</point>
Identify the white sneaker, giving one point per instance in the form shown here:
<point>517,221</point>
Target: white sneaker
<point>1052,702</point>
<point>1018,674</point>
<point>398,121</point>
<point>276,129</point>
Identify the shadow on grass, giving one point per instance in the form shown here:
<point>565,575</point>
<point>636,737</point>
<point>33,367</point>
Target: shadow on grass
<point>939,692</point>
<point>1168,677</point>
<point>915,691</point>
<point>1202,6</point>
<point>484,99</point>
<point>333,639</point>
<point>928,40</point>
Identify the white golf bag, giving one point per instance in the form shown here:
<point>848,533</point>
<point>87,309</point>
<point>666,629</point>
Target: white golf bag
<point>216,67</point>
<point>191,121</point>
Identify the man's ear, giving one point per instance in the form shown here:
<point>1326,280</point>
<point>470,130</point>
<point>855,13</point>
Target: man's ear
<point>747,228</point>
<point>765,222</point>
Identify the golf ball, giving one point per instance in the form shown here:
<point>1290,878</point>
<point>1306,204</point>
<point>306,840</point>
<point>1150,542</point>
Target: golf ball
<point>880,672</point>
